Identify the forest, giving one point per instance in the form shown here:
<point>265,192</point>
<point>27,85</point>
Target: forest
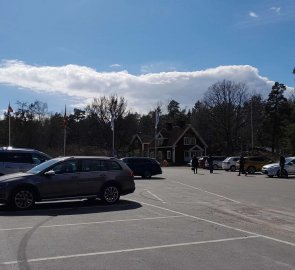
<point>229,117</point>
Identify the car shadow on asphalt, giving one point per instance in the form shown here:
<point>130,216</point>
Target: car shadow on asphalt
<point>77,207</point>
<point>149,179</point>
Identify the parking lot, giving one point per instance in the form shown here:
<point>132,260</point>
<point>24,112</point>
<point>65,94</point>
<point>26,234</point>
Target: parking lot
<point>176,220</point>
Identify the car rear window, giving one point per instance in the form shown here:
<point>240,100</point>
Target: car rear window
<point>113,165</point>
<point>92,165</point>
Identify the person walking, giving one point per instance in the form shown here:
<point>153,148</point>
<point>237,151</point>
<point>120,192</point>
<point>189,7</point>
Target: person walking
<point>242,166</point>
<point>282,165</point>
<point>210,162</point>
<point>195,164</point>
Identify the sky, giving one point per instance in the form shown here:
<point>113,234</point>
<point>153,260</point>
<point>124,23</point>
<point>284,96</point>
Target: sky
<point>67,52</point>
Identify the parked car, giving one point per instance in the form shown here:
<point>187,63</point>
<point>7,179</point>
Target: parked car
<point>190,163</point>
<point>254,163</point>
<point>143,166</point>
<point>68,177</point>
<point>14,160</point>
<point>217,162</point>
<point>230,163</point>
<point>202,161</point>
<point>273,169</point>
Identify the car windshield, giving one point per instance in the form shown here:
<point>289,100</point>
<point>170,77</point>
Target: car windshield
<point>41,167</point>
<point>288,159</point>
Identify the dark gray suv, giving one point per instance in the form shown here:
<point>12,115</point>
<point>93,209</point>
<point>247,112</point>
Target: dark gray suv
<point>67,178</point>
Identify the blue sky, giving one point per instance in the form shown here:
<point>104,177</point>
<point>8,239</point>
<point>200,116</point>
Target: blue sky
<point>149,51</point>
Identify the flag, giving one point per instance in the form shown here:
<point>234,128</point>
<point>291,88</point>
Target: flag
<point>157,119</point>
<point>9,109</point>
<point>65,118</point>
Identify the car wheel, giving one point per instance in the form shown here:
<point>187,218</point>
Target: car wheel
<point>233,168</point>
<point>23,199</point>
<point>270,176</point>
<point>147,175</point>
<point>251,170</point>
<point>215,166</point>
<point>110,194</point>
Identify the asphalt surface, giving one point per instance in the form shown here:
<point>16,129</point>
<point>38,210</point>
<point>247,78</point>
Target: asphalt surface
<point>177,220</point>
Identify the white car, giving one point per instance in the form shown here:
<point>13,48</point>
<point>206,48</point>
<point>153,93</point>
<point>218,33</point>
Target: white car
<point>216,161</point>
<point>273,169</point>
<point>230,163</point>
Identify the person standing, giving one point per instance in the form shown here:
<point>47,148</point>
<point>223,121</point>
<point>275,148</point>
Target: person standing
<point>210,162</point>
<point>195,164</point>
<point>282,165</point>
<point>242,166</point>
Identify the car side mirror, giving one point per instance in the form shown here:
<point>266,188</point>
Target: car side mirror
<point>49,173</point>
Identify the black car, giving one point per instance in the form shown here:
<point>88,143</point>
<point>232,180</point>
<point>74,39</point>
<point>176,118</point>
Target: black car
<point>143,166</point>
<point>68,177</point>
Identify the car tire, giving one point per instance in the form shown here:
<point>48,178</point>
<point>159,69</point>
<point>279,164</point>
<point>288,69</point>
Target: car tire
<point>270,176</point>
<point>147,175</point>
<point>23,199</point>
<point>251,170</point>
<point>215,167</point>
<point>233,168</point>
<point>110,194</point>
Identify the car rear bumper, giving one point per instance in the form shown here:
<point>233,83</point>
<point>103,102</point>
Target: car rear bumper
<point>128,191</point>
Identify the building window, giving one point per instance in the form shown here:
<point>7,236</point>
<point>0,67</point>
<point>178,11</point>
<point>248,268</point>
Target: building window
<point>160,141</point>
<point>189,140</point>
<point>168,154</point>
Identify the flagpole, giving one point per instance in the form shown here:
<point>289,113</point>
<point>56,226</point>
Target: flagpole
<point>9,139</point>
<point>113,142</point>
<point>113,129</point>
<point>155,142</point>
<point>9,111</point>
<point>65,130</point>
<point>156,125</point>
<point>65,136</point>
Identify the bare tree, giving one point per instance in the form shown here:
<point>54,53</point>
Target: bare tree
<point>108,108</point>
<point>225,102</point>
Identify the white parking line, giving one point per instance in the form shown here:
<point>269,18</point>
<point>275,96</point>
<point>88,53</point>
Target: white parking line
<point>215,194</point>
<point>157,197</point>
<point>220,224</point>
<point>129,250</point>
<point>91,223</point>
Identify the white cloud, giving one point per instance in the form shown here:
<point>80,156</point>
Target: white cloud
<point>253,14</point>
<point>81,84</point>
<point>276,9</point>
<point>115,66</point>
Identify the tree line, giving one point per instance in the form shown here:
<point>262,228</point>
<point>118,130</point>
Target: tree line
<point>228,117</point>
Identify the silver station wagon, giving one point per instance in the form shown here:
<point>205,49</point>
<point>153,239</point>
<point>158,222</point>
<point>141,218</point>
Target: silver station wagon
<point>13,160</point>
<point>67,178</point>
